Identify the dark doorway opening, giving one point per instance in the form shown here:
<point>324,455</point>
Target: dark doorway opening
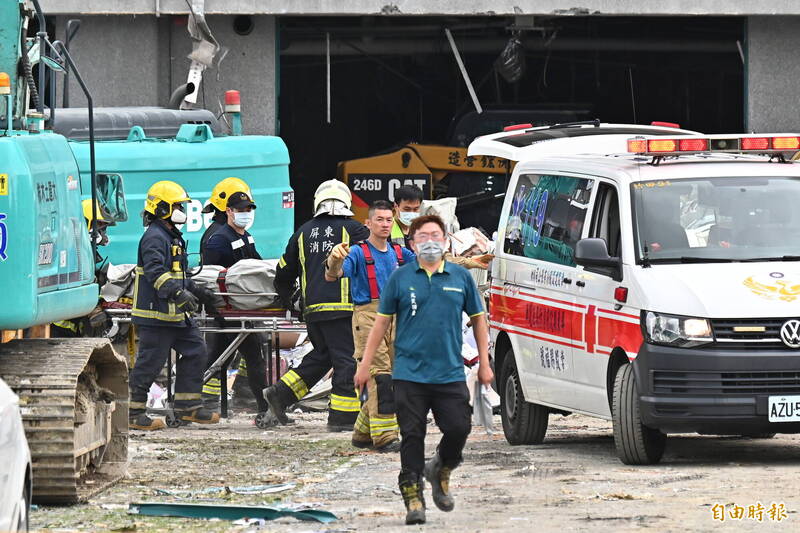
<point>394,79</point>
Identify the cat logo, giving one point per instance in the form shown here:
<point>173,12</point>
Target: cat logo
<point>777,289</point>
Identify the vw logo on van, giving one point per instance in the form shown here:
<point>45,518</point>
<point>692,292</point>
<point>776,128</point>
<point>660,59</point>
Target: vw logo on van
<point>790,333</point>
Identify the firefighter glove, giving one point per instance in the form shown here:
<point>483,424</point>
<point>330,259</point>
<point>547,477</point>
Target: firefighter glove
<point>186,301</point>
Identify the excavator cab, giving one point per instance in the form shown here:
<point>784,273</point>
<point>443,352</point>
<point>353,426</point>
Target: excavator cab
<point>73,391</point>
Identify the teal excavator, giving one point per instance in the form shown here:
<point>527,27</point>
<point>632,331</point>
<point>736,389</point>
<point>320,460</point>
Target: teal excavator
<point>73,392</point>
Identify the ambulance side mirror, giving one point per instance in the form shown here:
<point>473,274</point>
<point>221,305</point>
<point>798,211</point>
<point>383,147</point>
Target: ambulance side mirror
<point>593,254</point>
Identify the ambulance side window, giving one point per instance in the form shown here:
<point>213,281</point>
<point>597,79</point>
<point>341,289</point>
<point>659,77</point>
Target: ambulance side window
<point>605,218</point>
<point>546,217</point>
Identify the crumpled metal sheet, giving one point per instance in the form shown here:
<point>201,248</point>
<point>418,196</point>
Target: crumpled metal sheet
<point>204,46</point>
<point>228,512</point>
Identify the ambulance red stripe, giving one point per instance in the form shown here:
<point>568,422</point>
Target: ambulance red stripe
<point>508,310</point>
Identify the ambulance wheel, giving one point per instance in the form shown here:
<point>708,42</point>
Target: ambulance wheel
<point>636,443</point>
<point>523,422</point>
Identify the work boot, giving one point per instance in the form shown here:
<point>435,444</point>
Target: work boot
<point>438,476</point>
<point>411,487</point>
<point>243,397</point>
<point>392,446</point>
<point>210,402</point>
<point>144,422</point>
<point>198,415</point>
<point>336,428</point>
<point>275,405</point>
<point>361,444</point>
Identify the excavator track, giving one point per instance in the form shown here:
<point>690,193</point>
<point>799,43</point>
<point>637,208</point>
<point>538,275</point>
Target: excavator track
<point>74,401</point>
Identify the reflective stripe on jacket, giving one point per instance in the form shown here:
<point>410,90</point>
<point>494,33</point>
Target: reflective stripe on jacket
<point>305,257</point>
<point>160,273</point>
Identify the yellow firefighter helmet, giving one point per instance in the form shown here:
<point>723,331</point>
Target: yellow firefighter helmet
<point>223,190</point>
<point>162,196</point>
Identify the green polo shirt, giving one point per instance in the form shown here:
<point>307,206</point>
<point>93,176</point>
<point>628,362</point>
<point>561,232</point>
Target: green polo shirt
<point>428,309</point>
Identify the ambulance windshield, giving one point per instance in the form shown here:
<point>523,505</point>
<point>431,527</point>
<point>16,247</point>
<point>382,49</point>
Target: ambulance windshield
<point>717,219</point>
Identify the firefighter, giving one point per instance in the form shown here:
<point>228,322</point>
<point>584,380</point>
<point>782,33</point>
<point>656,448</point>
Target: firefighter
<point>230,244</point>
<point>368,267</point>
<point>217,204</point>
<point>163,301</point>
<point>93,324</point>
<point>327,308</point>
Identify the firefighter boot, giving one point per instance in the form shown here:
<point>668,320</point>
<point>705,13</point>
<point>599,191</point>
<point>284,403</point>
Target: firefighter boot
<point>210,401</point>
<point>144,422</point>
<point>411,486</point>
<point>276,406</point>
<point>438,476</point>
<point>198,415</point>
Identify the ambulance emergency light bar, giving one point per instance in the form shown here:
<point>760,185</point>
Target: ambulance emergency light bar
<point>763,144</point>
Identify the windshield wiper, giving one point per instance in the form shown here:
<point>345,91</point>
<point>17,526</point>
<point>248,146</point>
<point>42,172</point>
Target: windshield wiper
<point>779,258</point>
<point>692,259</point>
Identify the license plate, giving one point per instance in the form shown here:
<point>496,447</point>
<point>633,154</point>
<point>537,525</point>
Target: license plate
<point>784,409</point>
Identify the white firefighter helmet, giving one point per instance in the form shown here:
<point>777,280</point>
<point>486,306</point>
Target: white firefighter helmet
<point>333,197</point>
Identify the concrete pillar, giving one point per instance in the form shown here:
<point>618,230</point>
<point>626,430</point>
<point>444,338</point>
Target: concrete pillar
<point>773,74</point>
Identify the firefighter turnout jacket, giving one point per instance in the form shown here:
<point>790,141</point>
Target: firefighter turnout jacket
<point>160,274</point>
<point>227,247</point>
<point>305,257</point>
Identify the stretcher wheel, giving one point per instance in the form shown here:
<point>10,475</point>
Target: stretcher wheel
<point>172,421</point>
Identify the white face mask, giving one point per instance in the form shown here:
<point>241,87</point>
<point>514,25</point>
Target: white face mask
<point>178,216</point>
<point>407,217</point>
<point>243,220</point>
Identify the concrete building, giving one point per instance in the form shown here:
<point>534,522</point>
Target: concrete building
<point>339,80</point>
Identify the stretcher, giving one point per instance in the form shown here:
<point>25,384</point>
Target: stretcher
<point>270,322</point>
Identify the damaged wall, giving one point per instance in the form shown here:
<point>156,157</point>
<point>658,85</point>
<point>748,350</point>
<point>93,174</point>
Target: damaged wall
<point>138,61</point>
<point>772,74</point>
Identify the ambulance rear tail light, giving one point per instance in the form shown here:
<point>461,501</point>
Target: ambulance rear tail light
<point>621,294</point>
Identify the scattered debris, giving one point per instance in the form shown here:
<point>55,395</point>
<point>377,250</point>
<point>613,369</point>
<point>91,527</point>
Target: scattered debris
<point>229,512</point>
<point>255,489</point>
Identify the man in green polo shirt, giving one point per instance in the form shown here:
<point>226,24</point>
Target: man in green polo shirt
<point>427,298</point>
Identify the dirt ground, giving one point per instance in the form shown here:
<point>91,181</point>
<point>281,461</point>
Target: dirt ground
<point>571,482</point>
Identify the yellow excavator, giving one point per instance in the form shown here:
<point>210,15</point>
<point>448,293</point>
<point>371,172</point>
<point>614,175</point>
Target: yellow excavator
<point>438,170</point>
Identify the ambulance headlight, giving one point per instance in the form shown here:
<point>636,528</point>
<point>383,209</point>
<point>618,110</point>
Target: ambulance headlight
<point>676,330</point>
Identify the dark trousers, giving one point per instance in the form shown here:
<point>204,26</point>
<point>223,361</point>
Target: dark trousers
<point>251,349</point>
<point>333,348</point>
<point>451,411</point>
<point>155,343</point>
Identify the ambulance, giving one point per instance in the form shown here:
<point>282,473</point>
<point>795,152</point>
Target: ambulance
<point>647,275</point>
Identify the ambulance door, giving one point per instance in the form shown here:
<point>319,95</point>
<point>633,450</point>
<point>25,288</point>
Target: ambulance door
<point>604,321</point>
<point>544,224</point>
